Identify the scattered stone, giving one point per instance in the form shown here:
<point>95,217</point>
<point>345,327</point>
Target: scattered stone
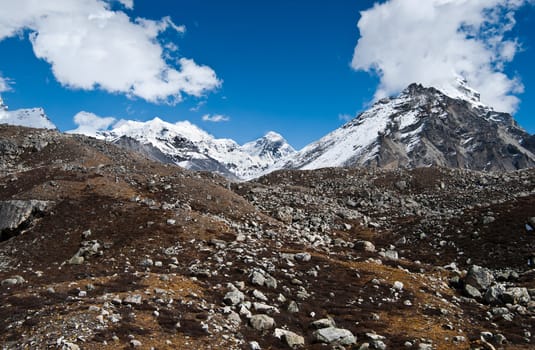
<point>146,263</point>
<point>253,345</point>
<point>332,335</point>
<point>290,338</point>
<point>493,295</point>
<point>479,278</point>
<point>364,246</point>
<point>472,292</point>
<point>135,343</point>
<point>323,323</point>
<point>257,278</point>
<point>516,295</point>
<point>234,297</point>
<point>134,299</point>
<point>303,257</point>
<point>12,281</point>
<point>261,322</point>
<point>398,286</point>
<point>76,260</point>
<point>259,295</point>
<point>293,307</point>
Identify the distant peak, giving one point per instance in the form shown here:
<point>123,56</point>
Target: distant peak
<point>274,136</point>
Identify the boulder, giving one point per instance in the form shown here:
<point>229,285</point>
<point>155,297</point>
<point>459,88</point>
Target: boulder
<point>16,214</point>
<point>516,295</point>
<point>261,322</point>
<point>332,335</point>
<point>290,338</point>
<point>493,295</point>
<point>479,278</point>
<point>472,292</point>
<point>365,246</point>
<point>234,297</point>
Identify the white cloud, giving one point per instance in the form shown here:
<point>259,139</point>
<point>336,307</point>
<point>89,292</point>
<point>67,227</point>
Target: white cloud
<point>216,118</point>
<point>89,123</point>
<point>4,84</point>
<point>198,106</point>
<point>89,46</point>
<point>129,4</point>
<point>435,41</point>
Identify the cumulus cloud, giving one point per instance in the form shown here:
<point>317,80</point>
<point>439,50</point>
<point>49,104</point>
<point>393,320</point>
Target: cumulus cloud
<point>434,42</point>
<point>4,84</point>
<point>89,123</point>
<point>216,118</point>
<point>90,46</point>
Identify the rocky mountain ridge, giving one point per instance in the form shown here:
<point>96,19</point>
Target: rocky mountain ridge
<point>423,127</point>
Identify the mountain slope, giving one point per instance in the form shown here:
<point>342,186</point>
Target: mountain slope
<point>423,127</point>
<point>187,145</point>
<point>34,117</point>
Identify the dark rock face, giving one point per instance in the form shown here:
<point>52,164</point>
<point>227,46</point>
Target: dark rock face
<point>16,215</point>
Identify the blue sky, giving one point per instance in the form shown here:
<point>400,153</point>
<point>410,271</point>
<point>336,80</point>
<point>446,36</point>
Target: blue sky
<point>282,65</point>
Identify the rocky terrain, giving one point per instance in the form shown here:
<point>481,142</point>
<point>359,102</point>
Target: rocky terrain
<point>101,248</point>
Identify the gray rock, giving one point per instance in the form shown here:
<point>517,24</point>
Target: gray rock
<point>135,343</point>
<point>69,346</point>
<point>479,278</point>
<point>516,295</point>
<point>146,263</point>
<point>472,292</point>
<point>290,338</point>
<point>259,295</point>
<point>323,323</point>
<point>493,294</point>
<point>234,297</point>
<point>234,318</point>
<point>134,299</point>
<point>303,257</point>
<point>76,260</point>
<point>258,278</point>
<point>293,307</point>
<point>262,322</point>
<point>15,213</point>
<point>391,255</point>
<point>253,345</point>
<point>270,282</point>
<point>332,335</point>
<point>365,246</point>
<point>398,286</point>
<point>12,281</point>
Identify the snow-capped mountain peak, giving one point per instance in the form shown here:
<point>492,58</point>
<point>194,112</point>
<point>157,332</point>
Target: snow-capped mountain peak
<point>33,118</point>
<point>272,146</point>
<point>459,88</point>
<point>422,127</point>
<point>189,146</point>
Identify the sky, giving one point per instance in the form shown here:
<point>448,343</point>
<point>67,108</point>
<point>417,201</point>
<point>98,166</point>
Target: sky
<point>241,68</point>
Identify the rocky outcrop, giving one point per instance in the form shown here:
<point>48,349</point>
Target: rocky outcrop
<point>16,215</point>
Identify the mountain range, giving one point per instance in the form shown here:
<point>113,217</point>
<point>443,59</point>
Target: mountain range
<point>422,126</point>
